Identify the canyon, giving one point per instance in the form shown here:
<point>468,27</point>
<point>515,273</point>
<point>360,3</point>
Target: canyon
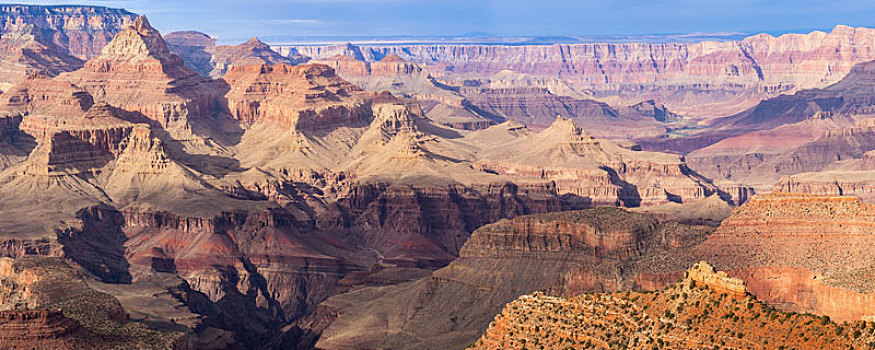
<point>612,250</point>
<point>715,77</point>
<point>199,195</point>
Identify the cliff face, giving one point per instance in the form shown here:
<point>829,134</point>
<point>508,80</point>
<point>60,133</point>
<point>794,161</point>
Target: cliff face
<point>695,313</point>
<point>756,66</point>
<point>300,98</point>
<point>794,252</point>
<point>47,304</point>
<point>567,253</point>
<point>803,253</point>
<point>137,73</point>
<point>81,30</point>
<point>790,134</point>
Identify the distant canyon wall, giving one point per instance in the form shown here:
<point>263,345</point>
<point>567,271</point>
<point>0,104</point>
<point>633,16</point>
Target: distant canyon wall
<point>684,73</point>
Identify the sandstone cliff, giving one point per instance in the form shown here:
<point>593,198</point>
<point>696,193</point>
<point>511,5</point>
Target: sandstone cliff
<point>796,253</point>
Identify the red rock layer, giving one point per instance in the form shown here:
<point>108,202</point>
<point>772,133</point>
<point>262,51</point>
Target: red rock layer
<point>304,97</point>
<point>137,73</point>
<point>38,329</point>
<point>81,30</point>
<point>780,241</point>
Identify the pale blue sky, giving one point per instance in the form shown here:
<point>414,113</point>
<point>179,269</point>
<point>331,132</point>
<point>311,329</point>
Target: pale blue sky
<point>235,20</point>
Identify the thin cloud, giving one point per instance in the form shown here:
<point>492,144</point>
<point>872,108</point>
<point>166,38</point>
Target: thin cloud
<point>296,21</point>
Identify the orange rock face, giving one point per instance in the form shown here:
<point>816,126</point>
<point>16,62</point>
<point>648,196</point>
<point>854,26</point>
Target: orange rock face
<point>137,73</point>
<point>805,253</point>
<point>705,309</point>
<point>299,98</point>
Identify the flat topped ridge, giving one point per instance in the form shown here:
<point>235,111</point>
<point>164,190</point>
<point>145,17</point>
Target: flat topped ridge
<point>603,218</point>
<point>393,59</point>
<point>312,69</point>
<point>802,197</point>
<point>801,209</point>
<point>17,9</point>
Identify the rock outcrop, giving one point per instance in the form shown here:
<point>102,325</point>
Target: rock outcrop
<point>566,253</point>
<point>252,52</point>
<point>796,253</point>
<point>137,73</point>
<point>44,303</point>
<point>803,253</point>
<point>81,31</point>
<point>24,53</point>
<point>694,313</point>
<point>304,97</point>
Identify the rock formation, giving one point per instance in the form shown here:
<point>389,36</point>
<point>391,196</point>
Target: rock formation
<point>714,78</point>
<point>44,303</point>
<point>566,253</point>
<point>801,253</point>
<point>790,134</point>
<point>23,53</point>
<point>195,48</point>
<point>137,73</point>
<point>695,313</point>
<point>440,103</point>
<point>796,253</point>
<point>201,54</point>
<point>81,31</point>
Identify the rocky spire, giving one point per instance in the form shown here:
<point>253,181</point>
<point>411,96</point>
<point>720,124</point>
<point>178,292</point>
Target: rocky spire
<point>139,41</point>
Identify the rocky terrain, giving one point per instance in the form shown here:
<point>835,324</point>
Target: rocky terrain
<point>44,303</point>
<point>399,196</point>
<point>797,253</point>
<point>803,132</point>
<point>256,195</point>
<point>202,55</point>
<point>705,78</point>
<point>567,253</point>
<point>705,309</point>
<point>81,31</point>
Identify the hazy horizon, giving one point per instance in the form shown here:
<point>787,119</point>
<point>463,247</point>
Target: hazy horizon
<point>234,21</point>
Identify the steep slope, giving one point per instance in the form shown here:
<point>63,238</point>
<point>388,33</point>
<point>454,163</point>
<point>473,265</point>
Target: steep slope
<point>22,53</point>
<point>251,52</point>
<point>796,253</point>
<point>705,309</point>
<point>195,48</point>
<point>47,304</point>
<point>801,253</point>
<point>852,177</point>
<point>600,170</point>
<point>81,31</point>
<point>137,73</point>
<point>603,249</point>
<point>440,103</point>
